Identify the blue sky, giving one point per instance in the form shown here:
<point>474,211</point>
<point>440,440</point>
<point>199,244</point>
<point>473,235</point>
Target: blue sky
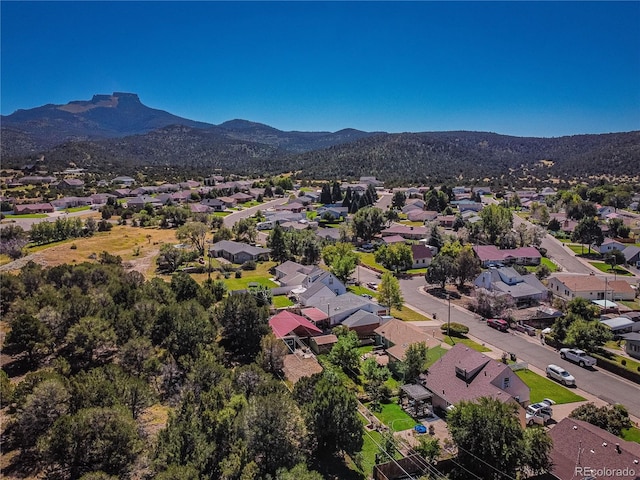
<point>518,68</point>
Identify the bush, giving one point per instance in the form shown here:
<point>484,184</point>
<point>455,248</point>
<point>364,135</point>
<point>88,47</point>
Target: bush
<point>623,362</point>
<point>249,265</point>
<point>455,329</point>
<point>238,273</point>
<point>543,251</point>
<point>73,246</point>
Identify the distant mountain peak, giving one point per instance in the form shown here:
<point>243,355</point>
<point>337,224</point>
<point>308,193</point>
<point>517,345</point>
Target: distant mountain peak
<point>101,101</point>
<point>240,124</point>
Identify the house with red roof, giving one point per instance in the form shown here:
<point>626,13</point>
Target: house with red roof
<point>291,327</point>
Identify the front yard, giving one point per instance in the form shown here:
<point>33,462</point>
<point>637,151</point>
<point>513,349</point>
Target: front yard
<point>541,388</point>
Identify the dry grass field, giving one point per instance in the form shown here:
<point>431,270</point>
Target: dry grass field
<point>124,241</point>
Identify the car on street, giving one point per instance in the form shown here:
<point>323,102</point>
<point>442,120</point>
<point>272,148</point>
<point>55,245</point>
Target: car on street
<point>539,413</point>
<point>559,374</point>
<point>498,324</point>
<point>578,356</point>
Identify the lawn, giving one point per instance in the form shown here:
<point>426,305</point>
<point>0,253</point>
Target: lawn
<point>77,209</point>
<point>282,301</point>
<point>26,215</point>
<point>466,341</point>
<point>606,268</point>
<point>394,417</point>
<point>360,290</point>
<point>260,275</point>
<point>541,388</point>
<point>434,354</point>
<point>581,249</point>
<point>408,315</point>
<point>631,434</point>
<point>550,265</point>
<point>369,260</point>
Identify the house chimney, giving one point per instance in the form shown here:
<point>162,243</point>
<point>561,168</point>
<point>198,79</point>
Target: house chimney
<point>618,448</point>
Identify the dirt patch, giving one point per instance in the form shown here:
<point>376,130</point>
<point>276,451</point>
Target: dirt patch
<point>298,365</point>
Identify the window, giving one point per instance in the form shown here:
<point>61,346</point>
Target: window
<point>506,382</point>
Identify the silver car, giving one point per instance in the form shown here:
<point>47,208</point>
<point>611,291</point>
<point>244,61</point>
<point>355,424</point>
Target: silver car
<point>559,374</point>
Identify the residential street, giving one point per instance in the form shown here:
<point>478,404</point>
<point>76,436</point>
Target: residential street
<point>597,382</point>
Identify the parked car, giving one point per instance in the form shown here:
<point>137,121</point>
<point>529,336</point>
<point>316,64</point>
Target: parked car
<point>559,374</point>
<point>498,324</point>
<point>366,295</point>
<point>578,356</point>
<point>539,413</point>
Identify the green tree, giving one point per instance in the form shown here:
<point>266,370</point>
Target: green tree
<point>614,257</point>
<point>345,353</point>
<point>588,232</point>
<point>428,447</point>
<point>375,376</point>
<point>341,260</point>
<point>299,472</point>
<point>389,293</point>
<point>245,230</point>
<point>325,194</point>
<point>491,441</point>
<point>272,353</point>
<point>496,221</point>
<point>368,222</point>
<point>332,416</point>
<point>104,439</point>
<point>398,200</point>
<point>396,257</point>
<point>275,431</point>
<point>467,265</point>
<point>441,270</point>
<point>277,243</point>
<point>194,233</point>
<point>612,418</point>
<point>415,359</point>
<point>336,192</point>
<point>243,325</point>
<point>587,335</point>
<point>28,334</point>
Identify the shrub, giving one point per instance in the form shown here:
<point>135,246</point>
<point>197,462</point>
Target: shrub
<point>249,265</point>
<point>623,362</point>
<point>73,246</point>
<point>238,273</point>
<point>455,329</point>
<point>543,251</point>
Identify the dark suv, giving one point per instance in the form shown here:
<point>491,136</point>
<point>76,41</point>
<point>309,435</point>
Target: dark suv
<point>498,324</point>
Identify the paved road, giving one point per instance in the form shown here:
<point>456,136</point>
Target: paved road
<point>597,382</point>
<point>231,219</point>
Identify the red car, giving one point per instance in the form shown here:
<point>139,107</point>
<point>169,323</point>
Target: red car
<point>498,324</point>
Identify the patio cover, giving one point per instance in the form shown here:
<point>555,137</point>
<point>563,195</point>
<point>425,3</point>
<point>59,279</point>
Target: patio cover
<point>416,392</point>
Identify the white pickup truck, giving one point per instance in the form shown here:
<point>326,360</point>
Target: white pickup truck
<point>539,413</point>
<point>578,356</point>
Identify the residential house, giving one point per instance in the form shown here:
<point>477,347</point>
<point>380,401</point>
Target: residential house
<point>608,246</point>
<point>589,287</point>
<point>33,208</point>
<point>328,234</point>
<point>100,198</point>
<point>319,318</point>
<point>407,232</point>
<point>371,181</point>
<point>421,215</point>
<point>621,325</point>
<point>123,180</point>
<point>317,275</point>
<point>363,323</point>
<point>390,240</point>
<point>290,328</point>
<point>411,207</point>
<point>123,193</point>
<point>343,306</point>
<point>322,343</point>
<point>446,221</point>
<point>465,374</point>
<point>632,344</point>
<point>215,204</point>
<point>138,203</point>
<point>490,254</point>
<point>631,255</point>
<point>189,184</point>
<point>336,212</point>
<point>70,184</point>
<point>467,205</point>
<point>583,451</point>
<point>242,197</point>
<point>422,256</point>
<point>396,336</point>
<point>228,201</point>
<point>71,202</point>
<point>524,289</point>
<point>198,208</point>
<point>316,294</point>
<point>482,190</point>
<point>288,268</point>
<point>237,252</point>
<point>35,180</point>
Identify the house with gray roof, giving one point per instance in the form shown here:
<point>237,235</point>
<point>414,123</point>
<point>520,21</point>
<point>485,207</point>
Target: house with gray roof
<point>363,323</point>
<point>505,280</point>
<point>238,252</point>
<point>631,255</point>
<point>316,294</point>
<point>341,307</point>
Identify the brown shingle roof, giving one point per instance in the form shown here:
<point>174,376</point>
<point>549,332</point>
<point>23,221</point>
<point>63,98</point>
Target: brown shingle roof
<point>580,444</point>
<point>401,335</point>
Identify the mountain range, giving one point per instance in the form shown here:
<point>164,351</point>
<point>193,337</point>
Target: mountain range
<point>119,132</point>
